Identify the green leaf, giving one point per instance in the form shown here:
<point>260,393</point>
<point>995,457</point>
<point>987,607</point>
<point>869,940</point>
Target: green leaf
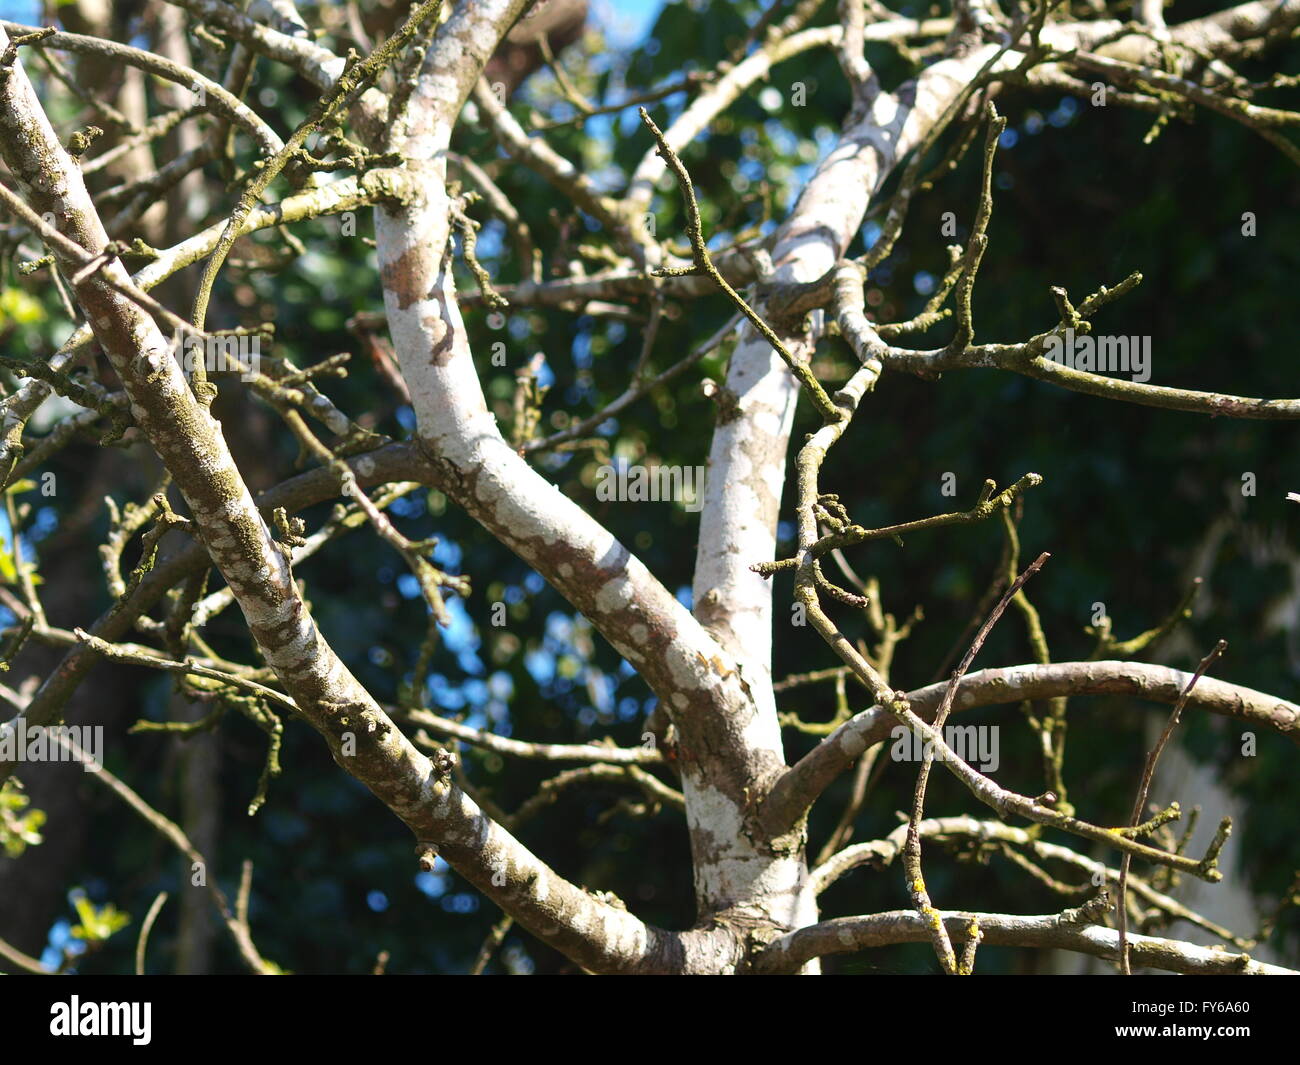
<point>97,924</point>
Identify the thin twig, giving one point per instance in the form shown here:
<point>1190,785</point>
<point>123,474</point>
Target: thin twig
<point>1148,773</point>
<point>912,855</point>
<point>143,941</point>
<point>694,230</point>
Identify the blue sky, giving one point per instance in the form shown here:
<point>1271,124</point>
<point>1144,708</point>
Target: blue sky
<point>26,11</point>
<point>626,21</point>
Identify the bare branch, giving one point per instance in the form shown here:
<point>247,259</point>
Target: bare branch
<point>801,784</point>
<point>1065,931</point>
<point>1144,788</point>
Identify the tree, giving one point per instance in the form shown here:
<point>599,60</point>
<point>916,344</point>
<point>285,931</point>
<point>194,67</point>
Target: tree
<point>693,226</point>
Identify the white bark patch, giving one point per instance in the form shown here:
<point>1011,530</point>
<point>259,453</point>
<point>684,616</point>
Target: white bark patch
<point>762,732</point>
<point>735,870</point>
<point>334,68</point>
<point>767,422</point>
<point>281,612</point>
<point>303,639</point>
<point>851,743</point>
<point>218,540</point>
<point>688,672</point>
<point>774,479</point>
<point>614,595</point>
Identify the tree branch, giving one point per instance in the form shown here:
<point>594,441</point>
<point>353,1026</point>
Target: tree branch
<point>1065,931</point>
<point>800,786</point>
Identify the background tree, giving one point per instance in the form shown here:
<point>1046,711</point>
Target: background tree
<point>844,201</point>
